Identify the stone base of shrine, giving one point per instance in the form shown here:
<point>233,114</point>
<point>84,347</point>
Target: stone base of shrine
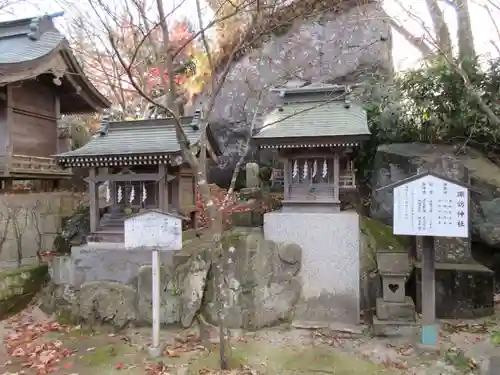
<point>330,268</point>
<point>463,291</point>
<point>102,261</point>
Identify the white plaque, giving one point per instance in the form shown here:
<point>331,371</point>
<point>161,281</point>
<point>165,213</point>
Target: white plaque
<point>431,206</point>
<point>153,230</point>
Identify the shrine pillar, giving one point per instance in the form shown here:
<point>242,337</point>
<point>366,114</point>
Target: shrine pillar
<point>93,200</point>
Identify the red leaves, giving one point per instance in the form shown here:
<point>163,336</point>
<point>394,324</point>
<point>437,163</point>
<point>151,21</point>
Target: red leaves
<point>22,343</point>
<point>218,197</point>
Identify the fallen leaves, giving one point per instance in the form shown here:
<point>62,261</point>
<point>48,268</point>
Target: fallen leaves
<point>159,368</point>
<point>22,343</point>
<point>245,370</point>
<point>183,344</point>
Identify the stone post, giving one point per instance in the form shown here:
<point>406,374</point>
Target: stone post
<point>253,217</point>
<point>395,311</point>
<point>252,176</point>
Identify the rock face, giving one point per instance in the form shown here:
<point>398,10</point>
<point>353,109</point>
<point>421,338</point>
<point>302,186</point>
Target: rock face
<point>192,278</point>
<point>169,297</point>
<point>99,301</point>
<point>263,282</point>
<point>262,275</point>
<point>339,48</point>
<point>398,161</point>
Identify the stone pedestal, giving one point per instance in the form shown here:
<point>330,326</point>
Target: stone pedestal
<point>463,291</point>
<point>330,262</point>
<point>395,311</point>
<point>464,288</point>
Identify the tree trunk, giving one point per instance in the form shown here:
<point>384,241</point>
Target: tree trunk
<point>466,51</point>
<point>440,28</point>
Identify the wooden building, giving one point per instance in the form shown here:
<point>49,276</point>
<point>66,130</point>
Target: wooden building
<point>40,80</point>
<point>316,130</point>
<point>140,165</point>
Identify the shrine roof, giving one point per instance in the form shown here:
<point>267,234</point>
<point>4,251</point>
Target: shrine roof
<point>32,47</point>
<point>313,120</point>
<point>138,138</point>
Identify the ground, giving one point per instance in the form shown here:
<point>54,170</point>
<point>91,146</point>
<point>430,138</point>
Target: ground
<point>35,344</point>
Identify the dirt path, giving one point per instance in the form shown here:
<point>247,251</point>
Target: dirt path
<point>36,345</point>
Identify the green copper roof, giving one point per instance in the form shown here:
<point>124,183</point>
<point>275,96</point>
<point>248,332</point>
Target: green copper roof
<point>136,137</point>
<point>314,119</point>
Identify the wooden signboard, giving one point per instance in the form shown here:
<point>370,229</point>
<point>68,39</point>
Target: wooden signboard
<point>153,230</point>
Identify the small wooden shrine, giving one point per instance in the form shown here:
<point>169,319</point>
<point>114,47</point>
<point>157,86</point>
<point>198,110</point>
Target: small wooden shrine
<point>40,80</point>
<point>316,130</point>
<point>138,165</point>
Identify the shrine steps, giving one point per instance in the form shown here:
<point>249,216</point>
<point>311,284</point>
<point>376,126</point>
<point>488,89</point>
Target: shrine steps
<point>113,235</point>
<point>112,220</point>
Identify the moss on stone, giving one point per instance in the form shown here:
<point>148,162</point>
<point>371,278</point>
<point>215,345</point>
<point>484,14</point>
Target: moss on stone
<point>36,271</point>
<point>382,236</point>
<point>14,305</point>
<point>231,238</point>
<point>19,286</point>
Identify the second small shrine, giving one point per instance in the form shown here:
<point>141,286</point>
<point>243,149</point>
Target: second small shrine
<point>138,165</point>
<point>316,130</point>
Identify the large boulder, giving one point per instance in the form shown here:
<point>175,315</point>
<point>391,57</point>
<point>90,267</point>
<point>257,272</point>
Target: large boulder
<point>326,47</point>
<point>192,279</point>
<point>264,286</point>
<point>395,162</point>
<point>108,302</point>
<point>169,296</point>
<point>262,276</point>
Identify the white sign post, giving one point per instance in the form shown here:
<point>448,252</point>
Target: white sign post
<point>429,206</point>
<point>154,231</point>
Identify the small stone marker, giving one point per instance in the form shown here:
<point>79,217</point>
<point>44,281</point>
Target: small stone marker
<point>154,231</point>
<point>427,205</point>
<point>252,175</point>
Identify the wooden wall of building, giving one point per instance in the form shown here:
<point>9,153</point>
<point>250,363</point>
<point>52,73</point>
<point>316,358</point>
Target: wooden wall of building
<point>34,130</point>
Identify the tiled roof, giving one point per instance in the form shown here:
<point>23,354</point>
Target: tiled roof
<point>33,46</point>
<point>136,137</point>
<point>314,119</point>
<point>28,39</point>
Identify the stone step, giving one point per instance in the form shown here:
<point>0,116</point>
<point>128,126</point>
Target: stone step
<point>110,222</point>
<point>111,216</point>
<point>392,328</point>
<point>396,311</point>
<point>110,235</point>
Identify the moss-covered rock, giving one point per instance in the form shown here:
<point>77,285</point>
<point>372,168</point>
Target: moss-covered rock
<point>397,161</point>
<point>375,236</point>
<point>19,286</point>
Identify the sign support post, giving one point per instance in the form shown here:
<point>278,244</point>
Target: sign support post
<point>155,350</point>
<point>429,331</point>
<point>154,231</point>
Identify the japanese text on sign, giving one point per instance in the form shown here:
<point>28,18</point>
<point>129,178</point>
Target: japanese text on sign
<point>153,230</point>
<point>430,206</point>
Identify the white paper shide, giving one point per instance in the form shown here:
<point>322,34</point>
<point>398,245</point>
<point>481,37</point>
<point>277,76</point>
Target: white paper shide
<point>153,230</point>
<point>431,206</point>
